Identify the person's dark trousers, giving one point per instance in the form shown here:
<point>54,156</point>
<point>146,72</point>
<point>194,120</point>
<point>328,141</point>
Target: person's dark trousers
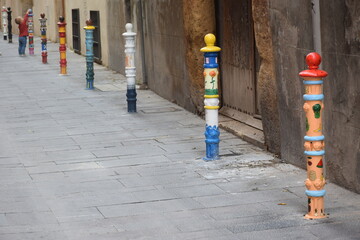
<point>22,45</point>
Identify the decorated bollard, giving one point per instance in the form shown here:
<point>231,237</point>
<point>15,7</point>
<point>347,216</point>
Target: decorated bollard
<point>43,37</point>
<point>62,48</point>
<point>9,24</point>
<point>89,42</point>
<point>130,70</point>
<point>314,139</point>
<point>211,96</point>
<point>31,32</point>
<point>4,22</point>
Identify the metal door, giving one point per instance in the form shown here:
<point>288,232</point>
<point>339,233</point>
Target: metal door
<point>237,60</point>
<point>95,17</point>
<point>76,30</point>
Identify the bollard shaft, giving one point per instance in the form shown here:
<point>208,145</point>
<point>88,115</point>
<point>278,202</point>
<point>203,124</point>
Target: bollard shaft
<point>89,42</point>
<point>4,22</point>
<point>130,69</point>
<point>314,139</point>
<point>211,96</point>
<point>43,38</point>
<point>9,24</point>
<point>62,48</point>
<point>31,32</point>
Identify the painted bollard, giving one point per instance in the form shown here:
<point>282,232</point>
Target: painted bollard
<point>62,49</point>
<point>42,20</point>
<point>31,32</point>
<point>9,24</point>
<point>211,96</point>
<point>4,22</point>
<point>89,42</point>
<point>314,139</point>
<point>130,69</point>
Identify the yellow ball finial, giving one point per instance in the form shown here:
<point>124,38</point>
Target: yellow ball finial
<point>210,42</point>
<point>210,39</point>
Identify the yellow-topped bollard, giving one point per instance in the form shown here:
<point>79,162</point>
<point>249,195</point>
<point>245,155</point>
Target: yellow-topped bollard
<point>211,96</point>
<point>62,48</point>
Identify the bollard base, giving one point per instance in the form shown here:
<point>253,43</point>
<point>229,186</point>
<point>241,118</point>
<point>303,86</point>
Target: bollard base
<point>309,217</point>
<point>131,99</point>
<point>5,38</point>
<point>10,41</point>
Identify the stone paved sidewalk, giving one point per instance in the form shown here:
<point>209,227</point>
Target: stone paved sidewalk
<point>75,165</point>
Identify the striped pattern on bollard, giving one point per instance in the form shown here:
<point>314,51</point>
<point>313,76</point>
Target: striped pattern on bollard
<point>62,48</point>
<point>314,139</point>
<point>211,96</point>
<point>31,32</point>
<point>43,37</point>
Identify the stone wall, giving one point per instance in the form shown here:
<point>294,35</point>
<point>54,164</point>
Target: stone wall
<point>291,29</point>
<point>340,26</point>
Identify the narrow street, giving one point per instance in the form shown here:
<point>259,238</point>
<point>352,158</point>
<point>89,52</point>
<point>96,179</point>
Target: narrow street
<point>75,165</point>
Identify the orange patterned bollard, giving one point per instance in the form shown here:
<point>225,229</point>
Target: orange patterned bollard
<point>314,139</point>
<point>62,48</point>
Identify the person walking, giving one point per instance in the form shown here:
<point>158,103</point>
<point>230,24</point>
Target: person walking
<point>23,32</point>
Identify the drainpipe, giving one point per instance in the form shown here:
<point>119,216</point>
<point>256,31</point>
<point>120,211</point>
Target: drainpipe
<point>316,25</point>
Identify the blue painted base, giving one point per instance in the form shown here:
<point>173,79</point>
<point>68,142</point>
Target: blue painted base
<point>212,140</point>
<point>131,99</point>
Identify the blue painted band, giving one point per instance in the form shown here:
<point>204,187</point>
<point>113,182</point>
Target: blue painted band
<point>210,60</point>
<point>315,153</point>
<point>316,138</point>
<point>320,193</point>
<point>313,82</point>
<point>131,99</point>
<point>318,97</point>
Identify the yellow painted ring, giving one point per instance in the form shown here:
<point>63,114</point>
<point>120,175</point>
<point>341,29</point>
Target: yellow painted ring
<point>211,107</point>
<point>211,96</point>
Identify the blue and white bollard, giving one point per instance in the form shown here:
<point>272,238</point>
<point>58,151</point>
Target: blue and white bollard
<point>43,37</point>
<point>211,96</point>
<point>130,69</point>
<point>89,42</point>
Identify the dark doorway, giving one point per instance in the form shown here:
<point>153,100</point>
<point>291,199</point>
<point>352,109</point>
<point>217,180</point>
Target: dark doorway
<point>95,17</point>
<point>238,72</point>
<point>76,30</point>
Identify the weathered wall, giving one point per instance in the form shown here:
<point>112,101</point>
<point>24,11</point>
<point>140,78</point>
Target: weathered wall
<point>266,81</point>
<point>115,27</point>
<point>199,20</point>
<point>52,9</point>
<point>291,29</point>
<point>165,51</point>
<point>341,53</point>
<point>84,8</point>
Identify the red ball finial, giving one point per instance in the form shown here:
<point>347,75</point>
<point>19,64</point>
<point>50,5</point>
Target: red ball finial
<point>313,60</point>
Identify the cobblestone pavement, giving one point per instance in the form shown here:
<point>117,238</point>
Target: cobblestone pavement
<point>75,165</point>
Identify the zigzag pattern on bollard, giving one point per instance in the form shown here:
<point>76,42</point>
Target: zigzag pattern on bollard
<point>62,48</point>
<point>211,96</point>
<point>314,139</point>
<point>4,22</point>
<point>89,42</point>
<point>130,69</point>
<point>9,24</point>
<point>31,32</point>
<point>43,37</point>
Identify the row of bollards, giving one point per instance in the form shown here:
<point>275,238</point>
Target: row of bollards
<point>313,97</point>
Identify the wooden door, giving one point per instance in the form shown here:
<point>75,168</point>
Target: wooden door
<point>76,30</point>
<point>237,60</point>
